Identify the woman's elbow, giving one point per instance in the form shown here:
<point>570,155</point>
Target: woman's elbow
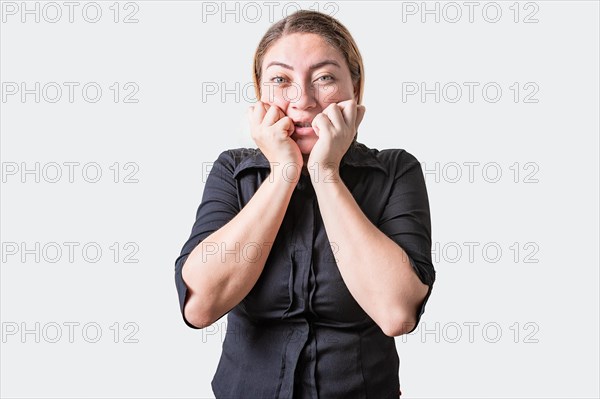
<point>399,329</point>
<point>196,310</point>
<point>399,324</point>
<point>404,317</point>
<point>197,315</point>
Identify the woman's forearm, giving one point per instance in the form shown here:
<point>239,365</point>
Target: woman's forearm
<point>224,267</point>
<point>375,269</point>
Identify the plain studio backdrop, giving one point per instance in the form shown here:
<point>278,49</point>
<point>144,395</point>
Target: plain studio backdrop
<point>112,114</point>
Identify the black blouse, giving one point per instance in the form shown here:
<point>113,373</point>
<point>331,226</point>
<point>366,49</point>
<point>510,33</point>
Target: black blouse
<point>299,333</point>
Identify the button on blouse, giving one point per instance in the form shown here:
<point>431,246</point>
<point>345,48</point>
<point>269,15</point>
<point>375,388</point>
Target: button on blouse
<point>299,333</point>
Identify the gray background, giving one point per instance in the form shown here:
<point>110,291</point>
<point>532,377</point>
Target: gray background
<point>516,317</point>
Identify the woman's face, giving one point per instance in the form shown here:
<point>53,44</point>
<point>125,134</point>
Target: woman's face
<point>302,75</point>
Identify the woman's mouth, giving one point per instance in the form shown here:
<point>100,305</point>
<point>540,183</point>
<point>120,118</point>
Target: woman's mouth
<point>303,128</point>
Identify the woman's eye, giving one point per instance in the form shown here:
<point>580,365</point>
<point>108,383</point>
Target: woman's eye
<point>275,79</point>
<point>325,78</point>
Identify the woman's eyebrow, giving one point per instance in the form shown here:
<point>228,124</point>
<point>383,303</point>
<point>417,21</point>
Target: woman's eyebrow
<point>314,66</point>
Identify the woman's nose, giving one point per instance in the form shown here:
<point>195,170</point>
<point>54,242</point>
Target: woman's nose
<point>302,96</point>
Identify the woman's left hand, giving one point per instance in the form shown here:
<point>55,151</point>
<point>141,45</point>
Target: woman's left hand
<point>336,127</point>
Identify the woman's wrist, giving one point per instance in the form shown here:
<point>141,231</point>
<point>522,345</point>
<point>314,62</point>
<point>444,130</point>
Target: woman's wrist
<point>285,173</point>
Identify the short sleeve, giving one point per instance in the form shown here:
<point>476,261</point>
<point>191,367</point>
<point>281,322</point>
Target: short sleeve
<point>218,206</point>
<point>406,218</point>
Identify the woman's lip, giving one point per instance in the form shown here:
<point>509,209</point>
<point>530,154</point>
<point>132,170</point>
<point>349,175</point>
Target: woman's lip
<point>303,131</point>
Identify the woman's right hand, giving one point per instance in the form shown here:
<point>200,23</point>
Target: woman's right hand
<point>271,130</point>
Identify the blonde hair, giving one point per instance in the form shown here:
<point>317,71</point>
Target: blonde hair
<point>330,29</point>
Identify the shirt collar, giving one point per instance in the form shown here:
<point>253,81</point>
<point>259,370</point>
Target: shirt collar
<point>358,156</point>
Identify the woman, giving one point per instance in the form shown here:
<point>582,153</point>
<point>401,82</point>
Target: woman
<point>317,247</point>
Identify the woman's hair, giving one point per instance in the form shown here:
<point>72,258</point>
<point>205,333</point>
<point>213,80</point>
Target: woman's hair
<point>330,29</point>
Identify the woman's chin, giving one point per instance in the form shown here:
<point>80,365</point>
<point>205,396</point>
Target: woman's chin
<point>306,144</point>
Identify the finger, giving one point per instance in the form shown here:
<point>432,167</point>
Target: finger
<point>348,109</point>
<point>360,114</point>
<point>257,113</point>
<point>285,124</point>
<point>335,116</point>
<point>321,122</point>
<point>317,131</point>
<point>272,115</point>
<point>250,113</point>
